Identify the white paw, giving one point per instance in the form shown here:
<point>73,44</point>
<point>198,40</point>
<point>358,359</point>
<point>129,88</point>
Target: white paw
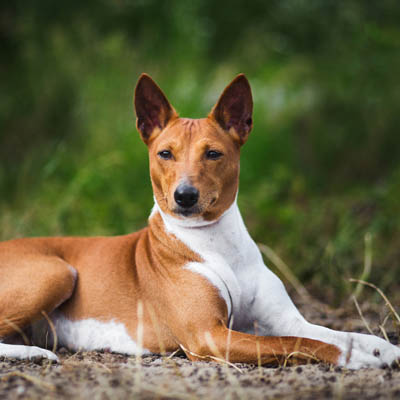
<point>38,353</point>
<point>25,352</point>
<point>367,351</point>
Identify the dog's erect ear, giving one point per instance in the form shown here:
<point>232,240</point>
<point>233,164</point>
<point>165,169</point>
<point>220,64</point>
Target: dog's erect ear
<point>153,110</point>
<point>234,108</point>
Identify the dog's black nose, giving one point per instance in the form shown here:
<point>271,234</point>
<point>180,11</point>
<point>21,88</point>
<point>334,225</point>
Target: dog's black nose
<point>186,196</point>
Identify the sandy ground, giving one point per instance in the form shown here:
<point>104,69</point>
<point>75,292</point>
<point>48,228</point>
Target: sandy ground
<point>100,375</point>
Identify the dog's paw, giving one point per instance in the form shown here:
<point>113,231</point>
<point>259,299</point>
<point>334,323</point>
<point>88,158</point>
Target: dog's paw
<point>26,352</point>
<point>367,351</point>
<point>37,353</point>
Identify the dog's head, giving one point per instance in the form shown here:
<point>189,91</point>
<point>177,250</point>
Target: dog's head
<point>194,163</point>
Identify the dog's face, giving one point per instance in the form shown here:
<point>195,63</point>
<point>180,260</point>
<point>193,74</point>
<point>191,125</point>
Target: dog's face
<point>194,163</point>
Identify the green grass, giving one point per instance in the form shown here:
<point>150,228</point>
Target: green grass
<point>318,173</point>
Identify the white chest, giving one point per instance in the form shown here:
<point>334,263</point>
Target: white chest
<point>231,259</point>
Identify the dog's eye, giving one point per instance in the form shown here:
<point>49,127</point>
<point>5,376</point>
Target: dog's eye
<point>213,155</point>
<point>165,154</point>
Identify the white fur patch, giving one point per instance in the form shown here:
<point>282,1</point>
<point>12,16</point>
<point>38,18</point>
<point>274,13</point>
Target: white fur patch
<point>90,334</point>
<point>205,238</point>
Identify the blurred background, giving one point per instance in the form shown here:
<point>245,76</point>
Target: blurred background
<point>320,175</point>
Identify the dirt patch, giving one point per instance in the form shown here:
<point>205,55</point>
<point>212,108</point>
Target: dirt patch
<point>99,375</point>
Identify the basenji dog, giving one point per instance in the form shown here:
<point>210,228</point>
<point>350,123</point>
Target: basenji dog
<point>193,279</point>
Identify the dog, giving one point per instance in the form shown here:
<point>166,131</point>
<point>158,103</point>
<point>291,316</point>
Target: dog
<point>193,279</point>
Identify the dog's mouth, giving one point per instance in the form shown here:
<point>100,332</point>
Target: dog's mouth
<point>187,212</point>
<point>194,211</point>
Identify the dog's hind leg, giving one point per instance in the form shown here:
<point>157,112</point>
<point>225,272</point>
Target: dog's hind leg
<point>31,286</point>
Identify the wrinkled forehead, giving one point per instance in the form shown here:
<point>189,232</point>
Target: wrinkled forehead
<point>183,133</point>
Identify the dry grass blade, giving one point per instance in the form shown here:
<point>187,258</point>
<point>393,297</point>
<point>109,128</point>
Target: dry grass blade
<point>53,330</point>
<point>258,347</point>
<point>184,383</point>
<point>221,360</point>
<point>386,319</point>
<point>173,354</point>
<point>362,316</point>
<point>101,366</point>
<point>55,339</point>
<point>138,375</point>
<point>235,385</point>
<point>80,364</point>
<point>29,378</point>
<point>383,330</point>
<point>228,339</point>
<point>168,359</point>
<point>73,356</point>
<point>299,353</point>
<point>367,264</point>
<point>213,347</point>
<point>17,329</point>
<point>339,388</point>
<point>387,302</point>
<point>157,330</point>
<point>285,271</point>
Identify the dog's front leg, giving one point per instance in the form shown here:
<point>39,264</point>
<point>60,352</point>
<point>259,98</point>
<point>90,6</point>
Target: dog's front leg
<point>221,343</point>
<point>276,315</point>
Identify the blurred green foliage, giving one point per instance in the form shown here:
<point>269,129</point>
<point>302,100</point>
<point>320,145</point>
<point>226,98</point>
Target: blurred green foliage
<point>321,168</point>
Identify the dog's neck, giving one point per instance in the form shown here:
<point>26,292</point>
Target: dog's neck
<point>226,237</point>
